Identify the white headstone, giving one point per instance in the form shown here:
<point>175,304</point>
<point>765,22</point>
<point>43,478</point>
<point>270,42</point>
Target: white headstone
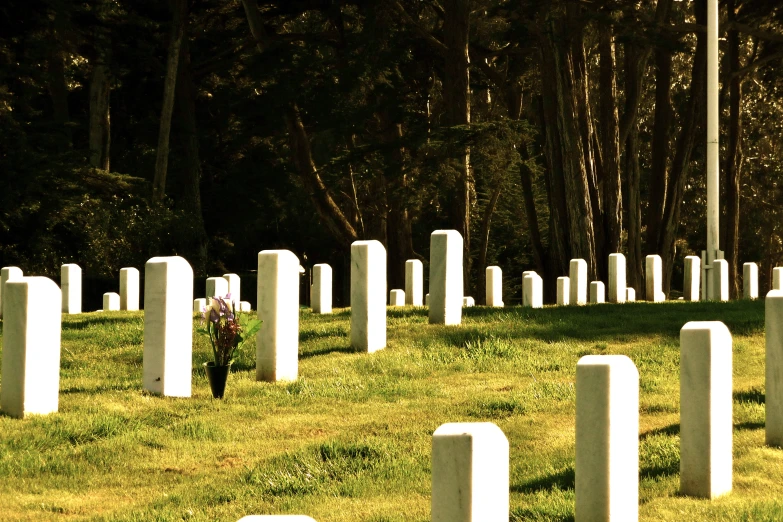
<point>111,302</point>
<point>607,438</point>
<point>129,288</point>
<point>692,276</point>
<point>468,301</point>
<point>414,282</point>
<point>616,278</point>
<point>397,298</point>
<point>750,281</point>
<point>470,473</point>
<point>653,278</point>
<point>321,291</point>
<point>8,273</point>
<point>71,285</point>
<point>563,290</point>
<point>368,296</point>
<point>427,300</point>
<point>777,278</point>
<point>30,380</point>
<point>199,305</point>
<point>532,290</point>
<point>720,279</point>
<point>630,295</point>
<point>446,285</point>
<point>577,275</point>
<point>705,409</point>
<point>773,328</point>
<point>277,342</point>
<point>494,290</point>
<point>216,287</point>
<point>168,327</point>
<point>234,287</point>
<point>244,306</point>
<point>597,292</point>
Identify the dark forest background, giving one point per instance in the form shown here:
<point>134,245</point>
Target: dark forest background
<point>541,130</point>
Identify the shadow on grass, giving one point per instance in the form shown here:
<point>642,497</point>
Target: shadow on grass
<point>126,386</point>
<point>749,426</point>
<point>325,351</point>
<point>309,335</point>
<point>671,429</point>
<point>98,320</point>
<point>563,480</point>
<point>753,396</point>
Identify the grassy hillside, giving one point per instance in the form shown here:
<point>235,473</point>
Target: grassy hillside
<point>351,439</point>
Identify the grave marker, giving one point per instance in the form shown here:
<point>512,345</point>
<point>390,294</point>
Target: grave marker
<point>597,292</point>
<point>111,302</point>
<point>414,282</point>
<point>692,275</point>
<point>30,380</point>
<point>563,290</point>
<point>8,273</point>
<point>577,275</point>
<point>494,286</point>
<point>71,285</point>
<point>773,328</point>
<point>277,342</point>
<point>616,278</point>
<point>750,281</point>
<point>234,287</point>
<point>532,290</point>
<point>653,279</point>
<point>129,288</point>
<point>446,285</point>
<point>720,278</point>
<point>216,287</point>
<point>397,298</point>
<point>368,296</point>
<point>321,291</point>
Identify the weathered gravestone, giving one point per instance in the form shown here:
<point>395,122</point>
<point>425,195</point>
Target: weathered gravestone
<point>607,438</point>
<point>720,280</point>
<point>368,296</point>
<point>705,409</point>
<point>777,278</point>
<point>630,295</point>
<point>653,279</point>
<point>129,288</point>
<point>216,287</point>
<point>321,291</point>
<point>446,285</point>
<point>414,282</point>
<point>200,304</point>
<point>71,285</point>
<point>30,380</point>
<point>277,341</point>
<point>168,327</point>
<point>468,301</point>
<point>470,473</point>
<point>494,286</point>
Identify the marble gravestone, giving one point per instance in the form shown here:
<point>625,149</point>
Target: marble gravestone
<point>233,288</point>
<point>111,302</point>
<point>494,286</point>
<point>597,292</point>
<point>414,282</point>
<point>216,287</point>
<point>607,438</point>
<point>750,281</point>
<point>653,279</point>
<point>773,329</point>
<point>563,290</point>
<point>71,285</point>
<point>368,296</point>
<point>468,301</point>
<point>630,295</point>
<point>777,278</point>
<point>720,280</point>
<point>616,278</point>
<point>129,288</point>
<point>691,278</point>
<point>167,367</point>
<point>446,285</point>
<point>277,342</point>
<point>577,275</point>
<point>397,297</point>
<point>321,291</point>
<point>470,473</point>
<point>8,273</point>
<point>30,380</point>
<point>705,409</point>
<point>532,290</point>
<point>199,305</point>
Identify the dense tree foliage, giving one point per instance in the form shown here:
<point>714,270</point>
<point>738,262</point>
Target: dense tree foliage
<point>541,130</point>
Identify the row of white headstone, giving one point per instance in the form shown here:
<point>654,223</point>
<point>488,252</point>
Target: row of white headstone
<point>470,461</point>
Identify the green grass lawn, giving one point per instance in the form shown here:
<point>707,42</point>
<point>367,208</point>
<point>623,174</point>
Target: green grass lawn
<point>351,439</point>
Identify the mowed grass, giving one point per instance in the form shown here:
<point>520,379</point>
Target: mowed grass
<point>351,439</point>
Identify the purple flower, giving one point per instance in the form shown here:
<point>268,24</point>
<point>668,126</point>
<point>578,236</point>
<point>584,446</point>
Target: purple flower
<point>214,317</point>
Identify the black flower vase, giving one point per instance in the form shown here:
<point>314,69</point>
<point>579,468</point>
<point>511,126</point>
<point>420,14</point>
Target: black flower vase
<point>217,376</point>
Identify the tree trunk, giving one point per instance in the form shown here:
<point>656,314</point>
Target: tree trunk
<point>634,264</point>
<point>610,147</point>
<point>526,181</point>
<point>565,145</point>
<point>191,179</point>
<point>179,15</point>
<point>100,136</point>
<point>694,113</point>
<point>486,221</point>
<point>58,88</point>
<point>456,98</point>
<point>733,167</point>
